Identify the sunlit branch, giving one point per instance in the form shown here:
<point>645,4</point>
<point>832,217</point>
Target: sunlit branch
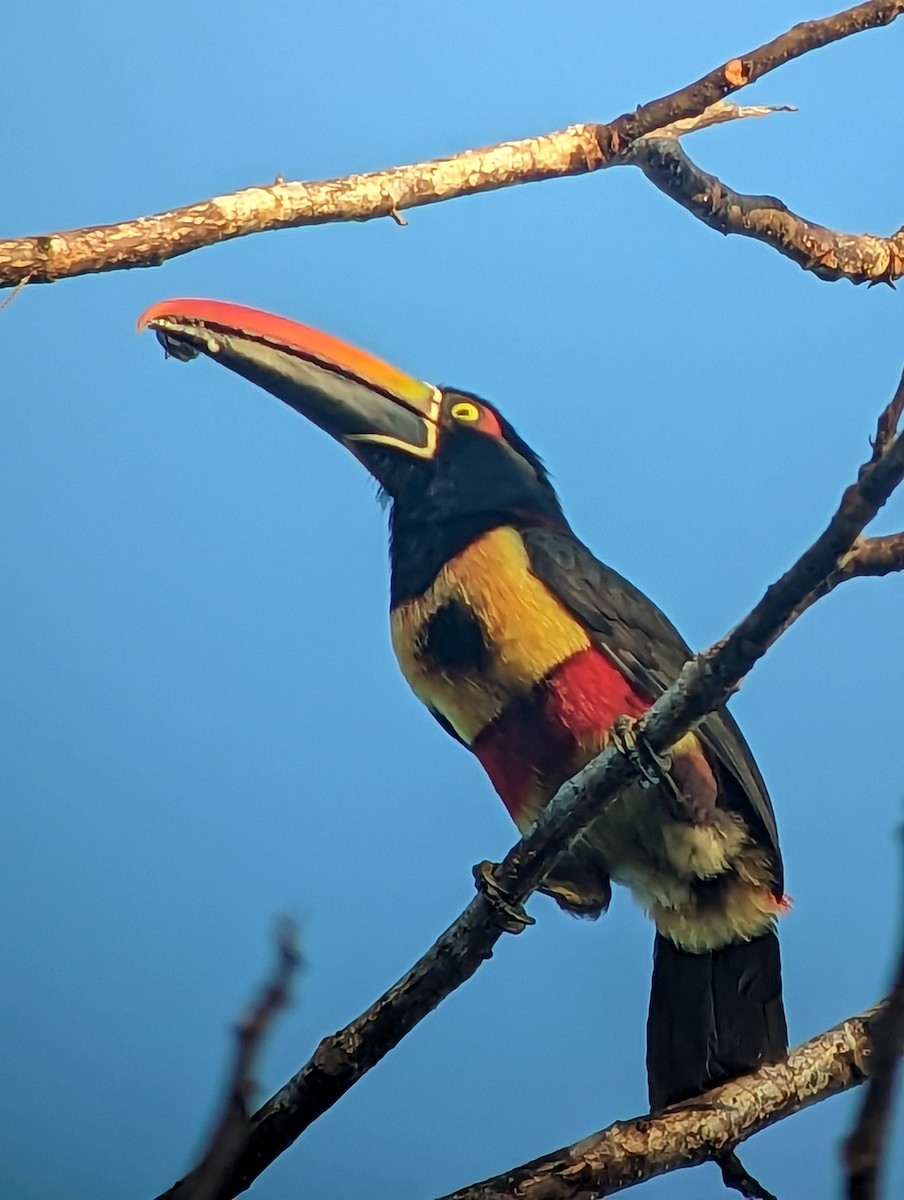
<point>827,253</point>
<point>151,240</point>
<point>631,1152</point>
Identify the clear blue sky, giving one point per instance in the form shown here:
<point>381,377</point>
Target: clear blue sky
<point>203,725</point>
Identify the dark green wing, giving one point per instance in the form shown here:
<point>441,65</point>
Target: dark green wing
<point>644,644</point>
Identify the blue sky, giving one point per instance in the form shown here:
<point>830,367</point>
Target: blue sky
<point>203,726</point>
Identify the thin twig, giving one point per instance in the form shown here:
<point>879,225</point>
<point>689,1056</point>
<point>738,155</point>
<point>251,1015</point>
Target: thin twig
<point>705,684</point>
<point>205,1181</point>
<point>23,282</point>
<point>151,240</point>
<point>717,114</point>
<point>889,423</point>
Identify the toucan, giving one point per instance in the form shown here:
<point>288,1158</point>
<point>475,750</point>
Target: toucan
<point>529,651</point>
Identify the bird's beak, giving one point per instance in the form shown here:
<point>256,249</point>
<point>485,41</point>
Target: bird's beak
<point>352,395</point>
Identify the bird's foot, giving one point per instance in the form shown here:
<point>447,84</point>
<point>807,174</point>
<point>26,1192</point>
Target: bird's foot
<point>654,768</point>
<point>511,914</point>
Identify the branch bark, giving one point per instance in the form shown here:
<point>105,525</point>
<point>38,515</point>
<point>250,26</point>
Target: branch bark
<point>830,255</point>
<point>630,1152</point>
<point>872,556</point>
<point>152,240</point>
<point>705,684</point>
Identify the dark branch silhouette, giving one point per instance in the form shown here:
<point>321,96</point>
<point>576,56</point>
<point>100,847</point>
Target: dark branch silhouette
<point>205,1181</point>
<point>151,240</point>
<point>864,1148</point>
<point>705,683</point>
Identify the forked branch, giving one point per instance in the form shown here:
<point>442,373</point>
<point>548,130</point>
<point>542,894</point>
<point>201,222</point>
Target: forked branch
<point>152,240</point>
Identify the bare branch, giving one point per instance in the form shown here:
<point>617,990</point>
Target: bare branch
<point>830,255</point>
<point>864,1148</point>
<point>705,684</point>
<point>889,422</point>
<point>630,1152</point>
<point>872,556</point>
<point>738,72</point>
<point>205,1181</point>
<point>152,240</point>
<point>716,114</point>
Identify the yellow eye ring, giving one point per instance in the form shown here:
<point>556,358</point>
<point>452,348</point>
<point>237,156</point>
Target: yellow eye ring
<point>464,410</point>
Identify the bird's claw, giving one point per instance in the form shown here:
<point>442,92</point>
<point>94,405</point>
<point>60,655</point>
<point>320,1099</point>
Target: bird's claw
<point>736,1176</point>
<point>653,767</point>
<point>511,914</point>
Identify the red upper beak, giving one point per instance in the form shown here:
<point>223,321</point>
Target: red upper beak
<point>349,393</point>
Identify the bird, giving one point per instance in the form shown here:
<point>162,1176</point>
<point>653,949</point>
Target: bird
<point>532,654</point>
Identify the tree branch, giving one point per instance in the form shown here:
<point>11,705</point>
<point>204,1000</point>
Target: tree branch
<point>872,556</point>
<point>630,1152</point>
<point>152,240</point>
<point>830,255</point>
<point>864,1148</point>
<point>205,1181</point>
<point>705,683</point>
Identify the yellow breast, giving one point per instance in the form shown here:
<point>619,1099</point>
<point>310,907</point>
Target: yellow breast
<point>527,631</point>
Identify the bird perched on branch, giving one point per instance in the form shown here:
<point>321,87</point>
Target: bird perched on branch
<point>533,654</point>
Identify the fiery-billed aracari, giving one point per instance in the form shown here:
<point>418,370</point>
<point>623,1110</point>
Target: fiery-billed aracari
<point>526,649</point>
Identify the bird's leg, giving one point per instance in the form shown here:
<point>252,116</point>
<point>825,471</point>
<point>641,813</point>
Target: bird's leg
<point>654,767</point>
<point>512,915</point>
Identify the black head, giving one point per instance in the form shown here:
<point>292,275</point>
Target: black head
<point>482,475</point>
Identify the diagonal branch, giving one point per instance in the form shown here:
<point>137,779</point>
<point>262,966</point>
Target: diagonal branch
<point>152,240</point>
<point>705,684</point>
<point>630,1152</point>
<point>830,255</point>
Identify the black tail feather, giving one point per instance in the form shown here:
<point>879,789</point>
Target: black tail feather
<point>712,1016</point>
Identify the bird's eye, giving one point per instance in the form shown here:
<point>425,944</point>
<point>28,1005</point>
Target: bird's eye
<point>464,410</point>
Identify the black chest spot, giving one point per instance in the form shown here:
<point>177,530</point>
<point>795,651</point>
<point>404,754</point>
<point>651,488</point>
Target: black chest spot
<point>453,640</point>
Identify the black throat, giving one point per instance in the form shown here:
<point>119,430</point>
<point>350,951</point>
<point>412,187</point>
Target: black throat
<point>475,484</point>
<point>419,549</point>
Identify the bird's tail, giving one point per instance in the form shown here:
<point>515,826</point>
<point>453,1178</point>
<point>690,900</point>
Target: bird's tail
<point>712,1016</point>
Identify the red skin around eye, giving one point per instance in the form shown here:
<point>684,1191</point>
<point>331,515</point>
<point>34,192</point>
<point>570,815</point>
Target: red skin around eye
<point>489,423</point>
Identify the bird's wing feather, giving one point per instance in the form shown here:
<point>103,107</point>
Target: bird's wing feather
<point>643,643</point>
